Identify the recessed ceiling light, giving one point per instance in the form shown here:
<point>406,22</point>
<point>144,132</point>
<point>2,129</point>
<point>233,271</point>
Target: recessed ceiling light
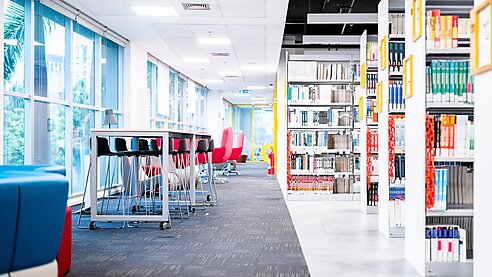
<point>155,11</point>
<point>230,73</point>
<point>195,60</point>
<point>214,41</point>
<point>256,87</point>
<point>212,81</point>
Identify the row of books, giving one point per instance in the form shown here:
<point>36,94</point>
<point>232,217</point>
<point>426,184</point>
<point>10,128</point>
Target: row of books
<point>373,146</point>
<point>396,56</point>
<point>374,169</point>
<point>321,94</point>
<point>372,82</point>
<point>372,115</point>
<point>397,212</point>
<point>453,188</point>
<point>444,31</point>
<point>372,51</point>
<point>399,169</point>
<point>445,243</point>
<point>454,135</point>
<point>334,71</point>
<point>397,21</point>
<point>449,81</point>
<point>462,222</point>
<point>399,133</point>
<point>396,193</point>
<point>320,139</point>
<point>320,183</point>
<point>372,194</point>
<point>396,101</point>
<point>319,163</point>
<point>317,117</point>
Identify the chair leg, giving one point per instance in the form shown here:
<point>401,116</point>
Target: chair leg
<point>82,207</point>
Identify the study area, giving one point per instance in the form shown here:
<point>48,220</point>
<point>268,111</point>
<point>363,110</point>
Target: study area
<point>245,138</point>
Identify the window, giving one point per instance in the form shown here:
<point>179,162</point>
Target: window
<point>83,65</point>
<point>172,96</point>
<point>14,27</point>
<point>13,130</point>
<point>182,89</point>
<point>110,68</point>
<point>49,53</point>
<point>49,133</point>
<point>66,95</point>
<point>152,86</point>
<point>83,121</point>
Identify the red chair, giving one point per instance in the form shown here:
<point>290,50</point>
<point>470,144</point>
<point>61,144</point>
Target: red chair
<point>64,258</point>
<point>222,154</point>
<point>236,153</point>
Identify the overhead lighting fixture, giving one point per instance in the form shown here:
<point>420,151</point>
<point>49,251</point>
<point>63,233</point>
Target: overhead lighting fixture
<point>214,41</point>
<point>230,73</point>
<point>342,18</point>
<point>212,81</point>
<point>195,60</point>
<point>155,11</point>
<point>256,87</point>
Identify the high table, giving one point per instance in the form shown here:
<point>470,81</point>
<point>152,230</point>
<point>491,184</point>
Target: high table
<point>165,134</point>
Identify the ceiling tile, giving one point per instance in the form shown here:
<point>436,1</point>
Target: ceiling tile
<point>243,8</point>
<point>241,43</point>
<point>172,31</point>
<point>216,31</point>
<point>241,31</point>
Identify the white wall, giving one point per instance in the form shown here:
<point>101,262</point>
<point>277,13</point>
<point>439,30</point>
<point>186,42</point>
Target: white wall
<point>215,112</point>
<point>281,166</point>
<point>482,185</point>
<point>135,93</point>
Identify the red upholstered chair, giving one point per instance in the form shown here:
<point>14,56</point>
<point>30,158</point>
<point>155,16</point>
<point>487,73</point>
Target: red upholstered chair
<point>64,258</point>
<point>236,153</point>
<point>221,154</point>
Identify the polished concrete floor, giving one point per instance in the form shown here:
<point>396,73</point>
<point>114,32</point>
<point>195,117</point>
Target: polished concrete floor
<point>337,239</point>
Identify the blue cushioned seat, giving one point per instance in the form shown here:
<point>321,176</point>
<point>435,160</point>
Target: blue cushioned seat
<point>9,202</point>
<point>40,215</point>
<point>43,168</point>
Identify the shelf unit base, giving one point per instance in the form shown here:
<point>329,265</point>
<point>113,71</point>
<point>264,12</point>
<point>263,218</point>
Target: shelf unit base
<point>372,209</point>
<point>397,232</point>
<point>320,195</point>
<point>449,269</point>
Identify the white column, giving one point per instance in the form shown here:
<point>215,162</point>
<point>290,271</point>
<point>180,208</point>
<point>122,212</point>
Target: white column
<point>281,166</point>
<point>215,112</point>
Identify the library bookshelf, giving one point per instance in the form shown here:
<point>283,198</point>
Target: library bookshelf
<point>320,122</point>
<point>439,137</point>
<point>369,125</point>
<point>391,190</point>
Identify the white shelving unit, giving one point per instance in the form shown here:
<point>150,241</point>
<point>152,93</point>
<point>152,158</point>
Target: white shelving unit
<point>316,193</point>
<point>416,108</point>
<point>365,126</point>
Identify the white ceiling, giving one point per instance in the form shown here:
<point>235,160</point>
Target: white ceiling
<point>255,28</point>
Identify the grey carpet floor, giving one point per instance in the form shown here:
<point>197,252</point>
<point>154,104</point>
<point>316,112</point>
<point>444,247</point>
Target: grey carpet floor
<point>250,233</point>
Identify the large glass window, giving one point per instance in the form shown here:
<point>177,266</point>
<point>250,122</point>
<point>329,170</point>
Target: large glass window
<point>172,96</point>
<point>83,121</point>
<point>152,74</point>
<point>182,89</point>
<point>14,130</point>
<point>49,133</point>
<point>83,65</point>
<point>49,53</point>
<point>110,67</point>
<point>13,45</point>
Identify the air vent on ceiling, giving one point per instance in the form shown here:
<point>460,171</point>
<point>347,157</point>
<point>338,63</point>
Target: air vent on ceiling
<point>220,54</point>
<point>196,7</point>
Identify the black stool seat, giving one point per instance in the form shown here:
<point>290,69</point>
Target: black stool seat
<point>211,146</point>
<point>103,147</point>
<point>201,147</point>
<point>143,147</point>
<point>155,148</point>
<point>122,150</point>
<point>183,147</point>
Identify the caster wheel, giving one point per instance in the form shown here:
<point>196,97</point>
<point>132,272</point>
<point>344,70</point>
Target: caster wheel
<point>192,210</point>
<point>164,225</point>
<point>92,225</point>
<point>226,173</point>
<point>209,198</point>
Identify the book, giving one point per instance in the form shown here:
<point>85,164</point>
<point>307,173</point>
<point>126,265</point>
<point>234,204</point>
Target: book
<point>449,81</point>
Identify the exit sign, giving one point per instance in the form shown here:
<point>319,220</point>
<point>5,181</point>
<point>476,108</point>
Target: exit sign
<point>244,91</point>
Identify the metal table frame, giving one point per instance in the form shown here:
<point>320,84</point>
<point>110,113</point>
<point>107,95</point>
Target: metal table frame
<point>164,197</point>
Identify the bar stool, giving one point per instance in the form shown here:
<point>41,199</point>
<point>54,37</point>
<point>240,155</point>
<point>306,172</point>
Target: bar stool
<point>152,170</point>
<point>174,192</point>
<point>200,150</point>
<point>102,150</point>
<point>211,148</point>
<point>183,161</point>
